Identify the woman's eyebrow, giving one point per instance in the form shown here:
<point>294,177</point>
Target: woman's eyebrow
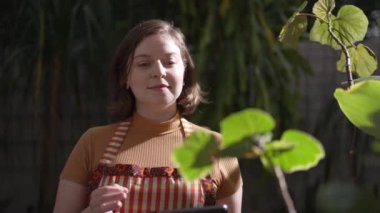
<point>149,56</point>
<point>171,53</point>
<point>142,56</point>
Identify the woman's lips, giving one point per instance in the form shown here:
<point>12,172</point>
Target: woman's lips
<point>158,87</point>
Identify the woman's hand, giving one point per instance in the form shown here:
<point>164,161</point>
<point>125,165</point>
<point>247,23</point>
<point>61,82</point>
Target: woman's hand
<point>107,198</point>
<point>72,197</point>
<point>233,201</point>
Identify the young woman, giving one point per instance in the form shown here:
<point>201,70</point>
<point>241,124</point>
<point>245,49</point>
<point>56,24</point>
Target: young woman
<point>126,166</point>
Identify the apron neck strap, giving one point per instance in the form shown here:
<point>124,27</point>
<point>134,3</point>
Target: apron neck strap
<point>120,134</point>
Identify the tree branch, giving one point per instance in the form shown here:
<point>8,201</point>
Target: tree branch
<point>284,189</point>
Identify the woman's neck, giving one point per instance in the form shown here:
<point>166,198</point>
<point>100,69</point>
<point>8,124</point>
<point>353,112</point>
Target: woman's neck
<point>157,114</point>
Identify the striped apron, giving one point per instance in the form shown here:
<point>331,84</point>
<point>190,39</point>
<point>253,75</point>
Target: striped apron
<point>150,189</point>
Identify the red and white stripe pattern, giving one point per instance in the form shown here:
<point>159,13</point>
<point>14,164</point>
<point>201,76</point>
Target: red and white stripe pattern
<point>151,194</point>
<point>115,143</point>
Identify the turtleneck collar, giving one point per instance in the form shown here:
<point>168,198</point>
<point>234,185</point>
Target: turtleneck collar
<point>156,128</point>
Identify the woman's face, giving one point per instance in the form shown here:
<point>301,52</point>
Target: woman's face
<point>157,72</point>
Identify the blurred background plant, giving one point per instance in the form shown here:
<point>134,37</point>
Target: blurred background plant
<point>54,56</point>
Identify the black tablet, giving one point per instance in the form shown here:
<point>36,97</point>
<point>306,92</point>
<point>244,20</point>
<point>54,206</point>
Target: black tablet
<point>208,209</point>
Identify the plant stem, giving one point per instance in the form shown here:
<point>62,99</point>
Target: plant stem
<point>284,189</point>
<point>350,79</point>
<point>281,180</point>
<point>311,15</point>
<point>353,153</point>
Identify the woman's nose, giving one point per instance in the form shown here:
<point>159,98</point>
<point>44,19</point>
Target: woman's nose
<point>159,70</point>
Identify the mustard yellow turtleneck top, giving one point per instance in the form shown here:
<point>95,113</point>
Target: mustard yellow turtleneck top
<point>147,144</point>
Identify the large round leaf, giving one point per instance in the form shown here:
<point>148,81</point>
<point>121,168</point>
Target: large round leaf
<point>295,27</point>
<point>194,158</point>
<point>323,8</point>
<point>350,25</point>
<point>363,59</point>
<point>361,105</point>
<point>247,147</point>
<point>320,33</point>
<point>245,123</point>
<point>295,151</point>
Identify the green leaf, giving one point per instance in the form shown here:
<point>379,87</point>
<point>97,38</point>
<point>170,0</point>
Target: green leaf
<point>323,8</point>
<point>291,32</point>
<point>350,25</point>
<point>280,146</point>
<point>194,157</point>
<point>295,27</point>
<point>363,59</point>
<point>295,151</point>
<point>247,147</point>
<point>361,105</point>
<point>245,123</point>
<point>320,33</point>
<point>357,80</point>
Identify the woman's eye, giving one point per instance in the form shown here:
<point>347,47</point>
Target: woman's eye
<point>143,64</point>
<point>170,62</point>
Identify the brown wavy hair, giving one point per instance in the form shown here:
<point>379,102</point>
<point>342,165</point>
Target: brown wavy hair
<point>123,100</point>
